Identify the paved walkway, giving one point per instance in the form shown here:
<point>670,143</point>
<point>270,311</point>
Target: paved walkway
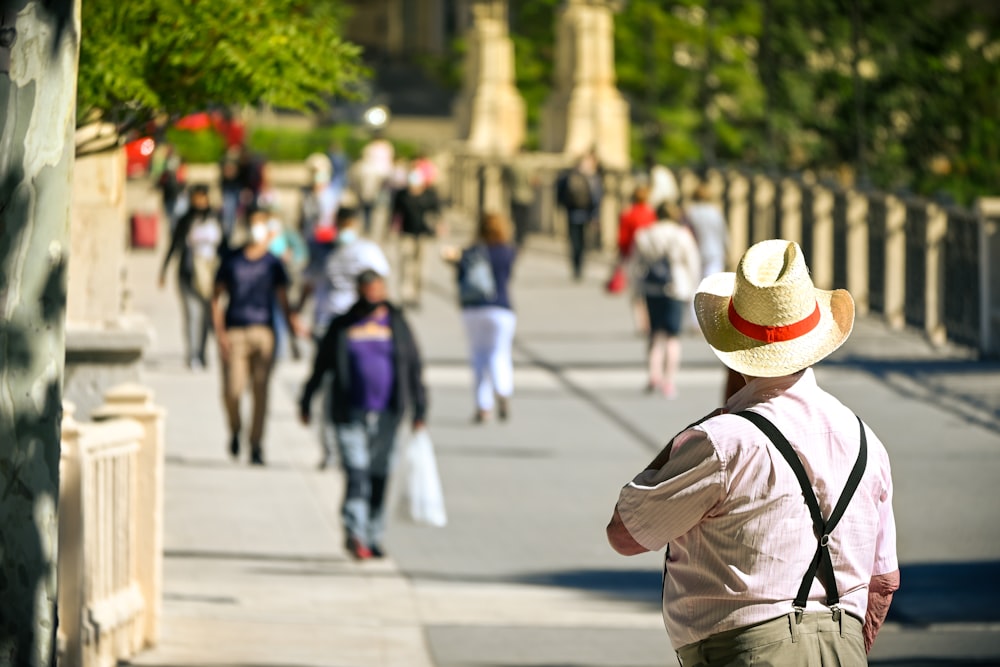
<point>255,573</point>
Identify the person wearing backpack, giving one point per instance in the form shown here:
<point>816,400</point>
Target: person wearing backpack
<point>775,510</point>
<point>667,269</point>
<point>579,192</point>
<point>484,270</point>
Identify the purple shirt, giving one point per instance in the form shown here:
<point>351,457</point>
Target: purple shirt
<point>370,350</point>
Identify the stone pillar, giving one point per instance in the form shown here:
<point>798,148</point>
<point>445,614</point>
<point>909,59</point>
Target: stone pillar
<point>71,555</point>
<point>937,227</point>
<point>822,250</point>
<point>857,250</point>
<point>135,402</point>
<point>895,262</point>
<point>738,194</point>
<point>490,111</point>
<point>764,194</point>
<point>791,211</point>
<point>103,344</point>
<point>585,110</point>
<point>988,209</point>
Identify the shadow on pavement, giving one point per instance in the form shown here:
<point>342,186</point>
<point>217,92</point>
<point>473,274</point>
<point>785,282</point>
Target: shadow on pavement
<point>937,593</point>
<point>967,384</point>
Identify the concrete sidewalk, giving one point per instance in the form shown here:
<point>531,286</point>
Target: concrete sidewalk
<point>255,569</point>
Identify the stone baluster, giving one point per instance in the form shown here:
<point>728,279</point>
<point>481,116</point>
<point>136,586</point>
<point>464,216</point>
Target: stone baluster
<point>822,250</point>
<point>857,249</point>
<point>791,211</point>
<point>71,552</point>
<point>739,216</point>
<point>895,262</point>
<point>135,402</point>
<point>937,227</point>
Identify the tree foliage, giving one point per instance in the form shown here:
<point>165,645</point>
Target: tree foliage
<point>901,93</point>
<point>146,58</point>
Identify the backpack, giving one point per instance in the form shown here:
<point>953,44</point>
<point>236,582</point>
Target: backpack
<point>578,195</point>
<point>658,277</point>
<point>476,285</point>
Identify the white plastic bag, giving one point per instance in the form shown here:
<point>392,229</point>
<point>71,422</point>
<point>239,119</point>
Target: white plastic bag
<point>424,494</point>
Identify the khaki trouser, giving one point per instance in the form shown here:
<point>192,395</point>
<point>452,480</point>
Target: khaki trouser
<point>411,269</point>
<point>821,638</point>
<point>251,356</point>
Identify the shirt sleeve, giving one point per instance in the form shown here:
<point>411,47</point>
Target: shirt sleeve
<point>886,560</point>
<point>661,505</point>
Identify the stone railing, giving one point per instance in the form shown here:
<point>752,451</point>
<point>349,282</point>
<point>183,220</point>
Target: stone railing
<point>110,530</point>
<point>913,262</point>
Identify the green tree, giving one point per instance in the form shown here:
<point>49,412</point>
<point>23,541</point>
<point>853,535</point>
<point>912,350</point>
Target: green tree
<point>143,59</point>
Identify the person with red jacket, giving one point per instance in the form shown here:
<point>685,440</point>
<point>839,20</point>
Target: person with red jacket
<point>638,216</point>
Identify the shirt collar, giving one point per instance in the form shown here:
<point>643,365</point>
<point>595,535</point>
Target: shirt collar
<point>759,390</point>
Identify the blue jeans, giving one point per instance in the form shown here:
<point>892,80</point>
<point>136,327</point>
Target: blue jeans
<point>367,445</point>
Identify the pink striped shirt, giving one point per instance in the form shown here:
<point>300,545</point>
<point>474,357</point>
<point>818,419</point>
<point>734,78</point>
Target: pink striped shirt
<point>740,534</point>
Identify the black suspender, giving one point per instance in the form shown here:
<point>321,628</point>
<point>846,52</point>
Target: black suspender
<point>821,564</point>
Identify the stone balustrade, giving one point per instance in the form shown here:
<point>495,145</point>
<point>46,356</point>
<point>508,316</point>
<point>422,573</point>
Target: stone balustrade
<point>910,261</point>
<point>110,530</point>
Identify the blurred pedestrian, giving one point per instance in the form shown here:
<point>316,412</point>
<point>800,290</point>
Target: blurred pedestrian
<point>663,189</point>
<point>520,183</point>
<point>368,179</point>
<point>770,561</point>
<point>286,244</point>
<point>668,270</point>
<point>231,187</point>
<point>377,380</point>
<point>484,270</point>
<point>417,207</point>
<point>332,282</point>
<point>708,224</point>
<point>636,217</point>
<point>172,183</point>
<point>318,206</point>
<point>199,243</point>
<point>579,192</point>
<point>253,280</point>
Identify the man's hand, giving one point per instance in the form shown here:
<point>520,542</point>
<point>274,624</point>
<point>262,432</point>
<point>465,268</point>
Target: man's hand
<point>162,282</point>
<point>418,425</point>
<point>299,328</point>
<point>304,417</point>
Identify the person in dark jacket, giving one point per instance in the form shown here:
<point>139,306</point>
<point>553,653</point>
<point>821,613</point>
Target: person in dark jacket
<point>414,208</point>
<point>579,192</point>
<point>199,241</point>
<point>377,380</point>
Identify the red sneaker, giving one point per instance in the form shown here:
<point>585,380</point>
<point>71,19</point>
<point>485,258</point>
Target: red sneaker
<point>358,549</point>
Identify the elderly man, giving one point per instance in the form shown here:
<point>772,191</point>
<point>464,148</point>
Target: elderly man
<point>776,510</point>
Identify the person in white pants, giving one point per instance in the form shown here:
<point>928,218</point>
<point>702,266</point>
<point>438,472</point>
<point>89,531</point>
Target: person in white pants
<point>484,272</point>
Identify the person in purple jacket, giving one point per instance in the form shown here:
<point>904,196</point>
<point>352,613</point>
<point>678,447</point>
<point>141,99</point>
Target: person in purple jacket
<point>377,380</point>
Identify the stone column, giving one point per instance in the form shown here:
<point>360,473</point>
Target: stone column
<point>988,209</point>
<point>585,110</point>
<point>895,263</point>
<point>822,250</point>
<point>135,402</point>
<point>937,227</point>
<point>791,211</point>
<point>71,555</point>
<point>857,249</point>
<point>490,111</point>
<point>104,345</point>
<point>738,194</point>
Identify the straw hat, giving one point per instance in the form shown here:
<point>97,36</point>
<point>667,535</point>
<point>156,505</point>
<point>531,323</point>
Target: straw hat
<point>767,319</point>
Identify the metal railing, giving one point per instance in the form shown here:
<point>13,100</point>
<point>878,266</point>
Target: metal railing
<point>908,260</point>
